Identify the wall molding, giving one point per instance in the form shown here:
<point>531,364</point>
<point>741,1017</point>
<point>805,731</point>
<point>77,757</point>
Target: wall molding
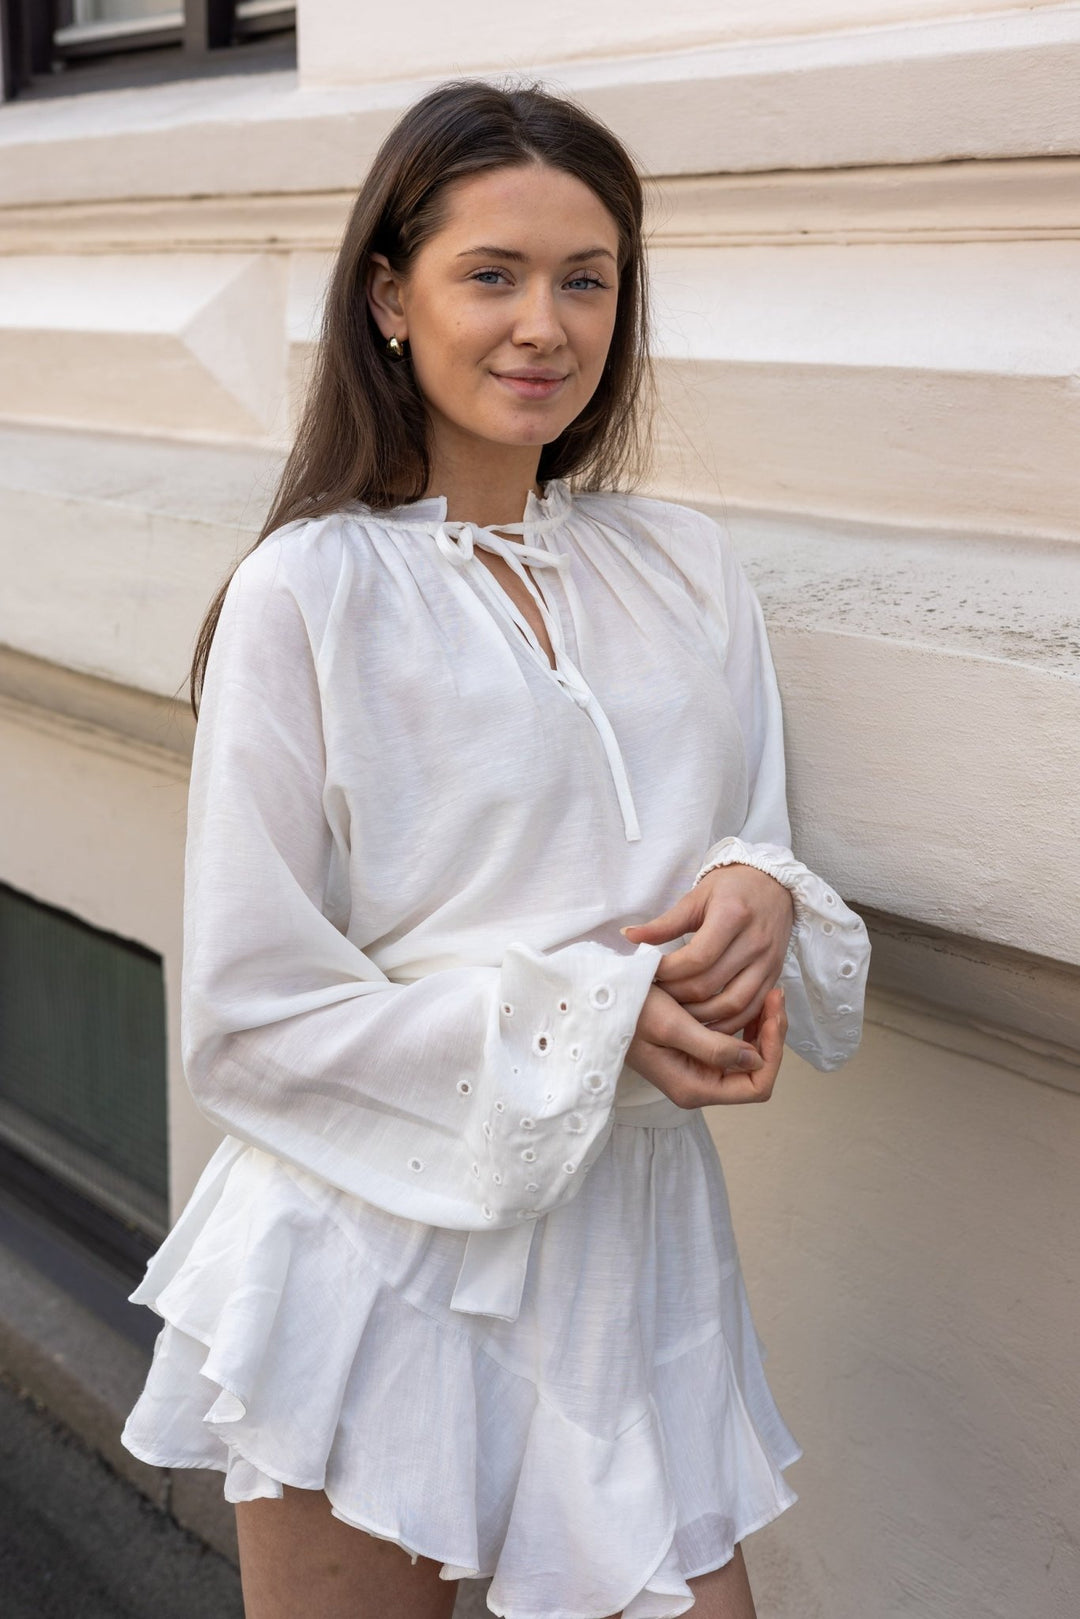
<point>101,715</point>
<point>995,85</point>
<point>1022,199</point>
<point>1012,1007</point>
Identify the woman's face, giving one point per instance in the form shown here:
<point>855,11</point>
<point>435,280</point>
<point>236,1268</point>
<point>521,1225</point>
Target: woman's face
<point>508,308</point>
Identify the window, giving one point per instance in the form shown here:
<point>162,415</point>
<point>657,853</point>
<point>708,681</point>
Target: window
<point>83,1104</point>
<point>52,47</point>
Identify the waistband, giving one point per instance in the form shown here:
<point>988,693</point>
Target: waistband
<point>491,1279</point>
<point>660,1113</point>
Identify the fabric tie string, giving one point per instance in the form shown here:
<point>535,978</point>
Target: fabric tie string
<point>458,542</point>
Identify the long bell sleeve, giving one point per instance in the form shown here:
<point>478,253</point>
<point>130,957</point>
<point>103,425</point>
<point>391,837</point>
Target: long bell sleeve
<point>472,1098</point>
<point>825,967</point>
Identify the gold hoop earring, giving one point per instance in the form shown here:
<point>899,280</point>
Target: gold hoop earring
<point>395,348</point>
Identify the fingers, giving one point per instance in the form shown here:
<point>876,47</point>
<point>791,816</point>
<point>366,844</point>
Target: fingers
<point>771,1033</point>
<point>710,948</point>
<point>740,1000</point>
<point>667,1024</point>
<point>682,917</point>
<point>691,1084</point>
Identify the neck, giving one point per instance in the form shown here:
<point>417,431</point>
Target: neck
<point>485,488</point>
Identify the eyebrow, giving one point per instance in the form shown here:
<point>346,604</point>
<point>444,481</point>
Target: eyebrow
<point>517,257</point>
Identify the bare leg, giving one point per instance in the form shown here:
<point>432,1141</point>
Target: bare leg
<point>297,1561</point>
<point>723,1593</point>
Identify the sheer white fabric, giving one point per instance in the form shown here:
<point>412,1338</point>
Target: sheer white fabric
<point>411,846</point>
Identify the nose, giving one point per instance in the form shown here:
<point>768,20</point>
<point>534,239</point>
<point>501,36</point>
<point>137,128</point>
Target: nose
<point>537,323</point>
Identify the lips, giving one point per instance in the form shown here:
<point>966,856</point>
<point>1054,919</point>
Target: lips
<point>531,384</point>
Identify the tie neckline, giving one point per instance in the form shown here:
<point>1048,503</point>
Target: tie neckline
<point>457,542</point>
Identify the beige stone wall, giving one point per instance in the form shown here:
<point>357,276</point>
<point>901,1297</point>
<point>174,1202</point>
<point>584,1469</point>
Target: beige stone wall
<point>866,245</point>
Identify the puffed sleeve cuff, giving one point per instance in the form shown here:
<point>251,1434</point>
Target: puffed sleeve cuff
<point>560,1031</point>
<point>561,1026</point>
<point>827,958</point>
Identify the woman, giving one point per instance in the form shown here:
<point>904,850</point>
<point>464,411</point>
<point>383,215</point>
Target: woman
<point>457,1295</point>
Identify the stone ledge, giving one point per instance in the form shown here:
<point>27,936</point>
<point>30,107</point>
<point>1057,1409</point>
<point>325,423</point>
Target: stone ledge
<point>992,86</point>
<point>131,537</point>
<point>1018,1011</point>
<point>929,680</point>
<point>47,692</point>
<point>1011,598</point>
<point>1024,199</point>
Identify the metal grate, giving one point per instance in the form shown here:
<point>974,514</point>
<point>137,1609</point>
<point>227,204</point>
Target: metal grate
<point>83,1059</point>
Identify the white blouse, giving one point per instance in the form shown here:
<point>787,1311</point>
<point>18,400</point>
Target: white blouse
<point>412,843</point>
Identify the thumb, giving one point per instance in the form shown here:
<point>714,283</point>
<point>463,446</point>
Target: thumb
<point>670,924</point>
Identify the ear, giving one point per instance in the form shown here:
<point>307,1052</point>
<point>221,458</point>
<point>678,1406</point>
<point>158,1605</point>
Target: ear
<point>384,298</point>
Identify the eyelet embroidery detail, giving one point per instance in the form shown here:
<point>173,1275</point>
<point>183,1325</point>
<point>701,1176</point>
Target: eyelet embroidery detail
<point>830,899</point>
<point>601,995</point>
<point>564,1006</point>
<point>594,1082</point>
<point>529,1155</point>
<point>846,969</point>
<point>570,1168</point>
<point>487,1213</point>
<point>531,1186</point>
<point>549,1096</point>
<point>414,1163</point>
<point>486,1129</point>
<point>464,1087</point>
<point>500,1105</point>
<point>541,1044</point>
<point>476,1170</point>
<point>575,1122</point>
<point>843,1008</point>
<point>828,927</point>
<point>507,1009</point>
<point>575,1053</point>
<point>527,1123</point>
<point>497,1178</point>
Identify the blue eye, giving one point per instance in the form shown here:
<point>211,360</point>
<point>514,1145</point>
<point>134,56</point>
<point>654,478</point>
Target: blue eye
<point>586,280</point>
<point>480,273</point>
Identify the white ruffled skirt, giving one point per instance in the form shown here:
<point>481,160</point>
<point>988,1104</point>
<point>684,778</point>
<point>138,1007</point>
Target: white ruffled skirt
<point>592,1455</point>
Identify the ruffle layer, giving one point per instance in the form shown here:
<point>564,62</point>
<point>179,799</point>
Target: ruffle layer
<point>304,1345</point>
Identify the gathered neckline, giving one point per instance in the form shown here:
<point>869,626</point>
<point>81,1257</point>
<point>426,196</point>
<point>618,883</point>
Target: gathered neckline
<point>540,510</point>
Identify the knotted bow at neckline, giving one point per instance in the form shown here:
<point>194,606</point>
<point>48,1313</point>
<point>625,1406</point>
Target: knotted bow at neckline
<point>457,541</point>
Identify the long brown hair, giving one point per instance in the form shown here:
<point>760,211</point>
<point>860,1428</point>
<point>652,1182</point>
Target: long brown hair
<point>363,433</point>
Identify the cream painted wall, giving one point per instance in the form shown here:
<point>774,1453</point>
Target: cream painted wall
<point>907,1229</point>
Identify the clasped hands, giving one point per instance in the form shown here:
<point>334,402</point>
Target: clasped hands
<point>722,980</point>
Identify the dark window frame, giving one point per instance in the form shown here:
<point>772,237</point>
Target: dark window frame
<point>214,36</point>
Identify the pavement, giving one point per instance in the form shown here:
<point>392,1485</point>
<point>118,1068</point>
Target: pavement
<point>77,1541</point>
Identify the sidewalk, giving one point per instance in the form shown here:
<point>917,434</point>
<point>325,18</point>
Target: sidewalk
<point>78,1542</point>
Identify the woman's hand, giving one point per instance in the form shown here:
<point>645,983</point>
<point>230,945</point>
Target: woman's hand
<point>741,920</point>
<point>696,1066</point>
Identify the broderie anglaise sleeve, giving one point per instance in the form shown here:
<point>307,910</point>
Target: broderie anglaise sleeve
<point>473,1098</point>
<point>824,971</point>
